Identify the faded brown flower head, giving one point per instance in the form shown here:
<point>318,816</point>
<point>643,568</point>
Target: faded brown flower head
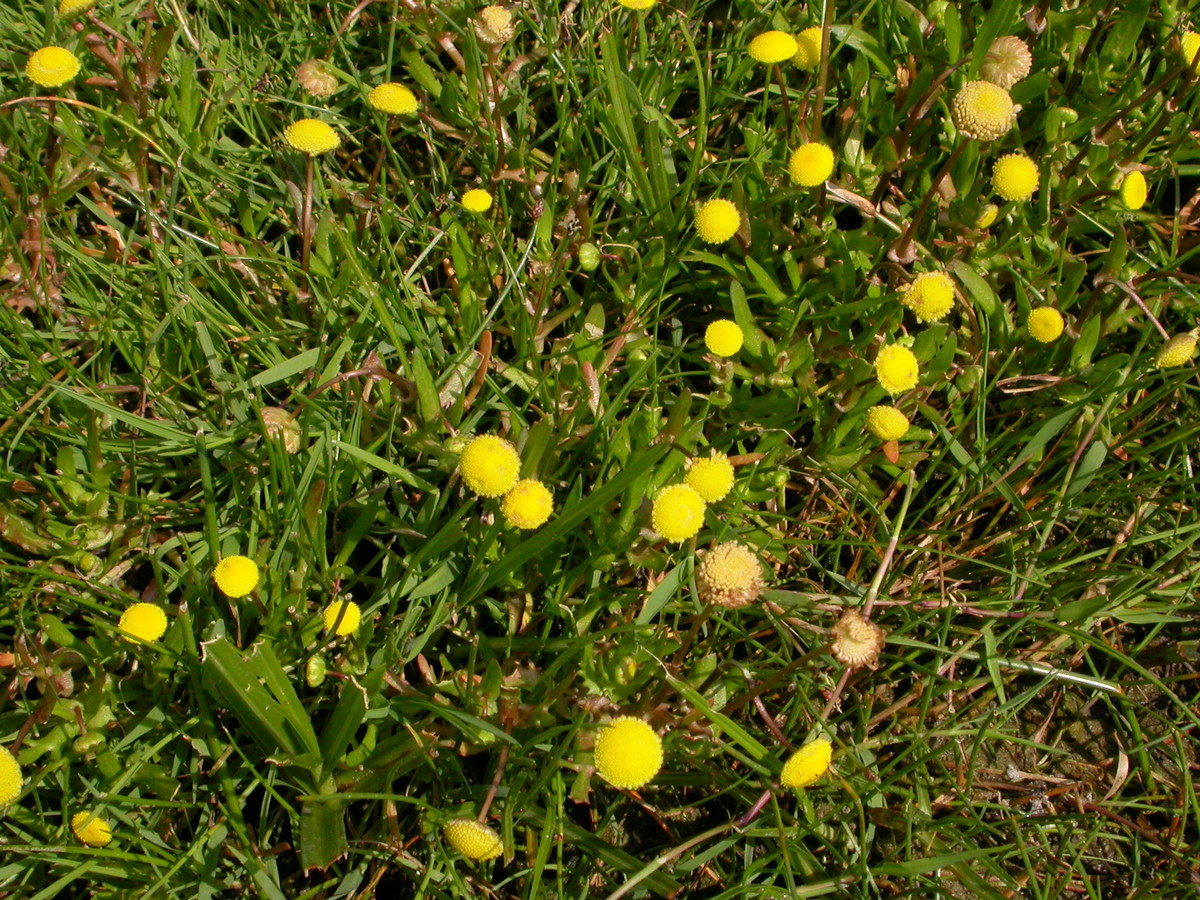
<point>730,575</point>
<point>316,77</point>
<point>857,641</point>
<point>494,25</point>
<point>1008,60</point>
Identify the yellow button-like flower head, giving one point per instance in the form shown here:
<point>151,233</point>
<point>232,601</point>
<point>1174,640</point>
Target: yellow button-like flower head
<point>857,641</point>
<point>1190,43</point>
<point>710,476</point>
<point>393,99</point>
<point>637,4</point>
<point>528,505</point>
<point>810,164</point>
<point>807,764</point>
<point>143,623</point>
<point>490,465</point>
<point>983,111</point>
<point>75,7</point>
<point>349,614</point>
<point>1015,176</point>
<point>887,423</point>
<point>11,779</point>
<point>730,575</point>
<point>1045,324</point>
<point>773,47</point>
<point>477,200</point>
<point>91,829</point>
<point>1134,191</point>
<point>494,25</point>
<point>52,66</point>
<point>930,296</point>
<point>236,576</point>
<point>1008,60</point>
<point>628,752</point>
<point>1176,351</point>
<point>896,368</point>
<point>311,136</point>
<point>473,839</point>
<point>717,221</point>
<point>677,513</point>
<point>723,337</point>
<point>987,216</point>
<point>808,49</point>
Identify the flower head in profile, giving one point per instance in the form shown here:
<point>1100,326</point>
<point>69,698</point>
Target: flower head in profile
<point>473,839</point>
<point>677,512</point>
<point>810,164</point>
<point>857,641</point>
<point>1177,351</point>
<point>637,4</point>
<point>723,337</point>
<point>807,764</point>
<point>528,505</point>
<point>717,221</point>
<point>11,779</point>
<point>983,111</point>
<point>342,617</point>
<point>490,465</point>
<point>91,829</point>
<point>494,25</point>
<point>236,576</point>
<point>393,99</point>
<point>772,47</point>
<point>808,49</point>
<point>143,623</point>
<point>1045,324</point>
<point>52,67</point>
<point>887,423</point>
<point>710,476</point>
<point>930,296</point>
<point>1190,45</point>
<point>317,77</point>
<point>1133,191</point>
<point>477,200</point>
<point>1008,60</point>
<point>628,752</point>
<point>75,7</point>
<point>987,216</point>
<point>311,137</point>
<point>896,369</point>
<point>1015,176</point>
<point>730,575</point>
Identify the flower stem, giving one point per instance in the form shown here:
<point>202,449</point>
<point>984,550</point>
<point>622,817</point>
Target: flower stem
<point>787,105</point>
<point>306,224</point>
<point>903,246</point>
<point>823,71</point>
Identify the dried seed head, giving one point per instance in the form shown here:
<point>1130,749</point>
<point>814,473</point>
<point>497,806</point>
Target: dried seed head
<point>730,575</point>
<point>857,641</point>
<point>1008,60</point>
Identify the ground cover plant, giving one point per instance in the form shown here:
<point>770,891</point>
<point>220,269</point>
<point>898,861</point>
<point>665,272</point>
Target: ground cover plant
<point>601,449</point>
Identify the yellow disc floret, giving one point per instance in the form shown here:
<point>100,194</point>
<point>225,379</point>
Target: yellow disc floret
<point>342,617</point>
<point>528,505</point>
<point>896,369</point>
<point>717,221</point>
<point>11,779</point>
<point>983,111</point>
<point>490,465</point>
<point>1190,44</point>
<point>1015,176</point>
<point>52,66</point>
<point>723,337</point>
<point>930,296</point>
<point>887,423</point>
<point>628,753</point>
<point>91,829</point>
<point>807,764</point>
<point>677,512</point>
<point>494,25</point>
<point>143,623</point>
<point>730,575</point>
<point>1134,191</point>
<point>477,200</point>
<point>1045,324</point>
<point>393,99</point>
<point>473,839</point>
<point>1176,351</point>
<point>710,476</point>
<point>311,136</point>
<point>808,49</point>
<point>773,47</point>
<point>810,164</point>
<point>236,576</point>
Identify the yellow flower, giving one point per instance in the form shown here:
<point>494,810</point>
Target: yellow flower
<point>1015,176</point>
<point>316,77</point>
<point>773,47</point>
<point>528,505</point>
<point>710,476</point>
<point>930,296</point>
<point>723,337</point>
<point>1191,46</point>
<point>311,136</point>
<point>677,512</point>
<point>473,839</point>
<point>11,779</point>
<point>807,764</point>
<point>896,369</point>
<point>637,4</point>
<point>52,66</point>
<point>987,216</point>
<point>857,641</point>
<point>808,49</point>
<point>236,576</point>
<point>490,465</point>
<point>730,575</point>
<point>91,829</point>
<point>983,111</point>
<point>75,7</point>
<point>143,623</point>
<point>477,200</point>
<point>810,164</point>
<point>1176,351</point>
<point>628,752</point>
<point>393,99</point>
<point>350,616</point>
<point>1008,60</point>
<point>1134,191</point>
<point>887,423</point>
<point>717,221</point>
<point>494,25</point>
<point>1045,324</point>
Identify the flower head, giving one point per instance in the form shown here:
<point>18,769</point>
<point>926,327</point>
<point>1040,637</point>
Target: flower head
<point>930,296</point>
<point>983,111</point>
<point>1190,44</point>
<point>637,4</point>
<point>773,47</point>
<point>1045,324</point>
<point>393,99</point>
<point>677,512</point>
<point>473,839</point>
<point>717,221</point>
<point>528,505</point>
<point>75,7</point>
<point>887,423</point>
<point>236,576</point>
<point>91,829</point>
<point>1176,351</point>
<point>710,476</point>
<point>11,779</point>
<point>730,575</point>
<point>477,200</point>
<point>143,623</point>
<point>628,753</point>
<point>987,216</point>
<point>857,641</point>
<point>52,66</point>
<point>807,764</point>
<point>317,77</point>
<point>1133,191</point>
<point>494,25</point>
<point>810,164</point>
<point>808,49</point>
<point>1015,176</point>
<point>723,337</point>
<point>311,137</point>
<point>490,465</point>
<point>1008,61</point>
<point>896,368</point>
<point>347,612</point>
